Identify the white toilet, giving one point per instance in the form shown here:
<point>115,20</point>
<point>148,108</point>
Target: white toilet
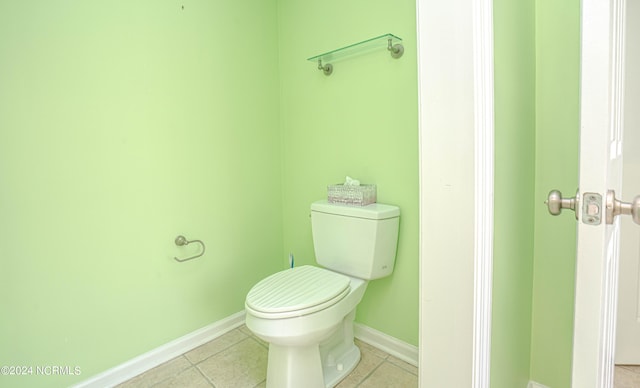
<point>306,313</point>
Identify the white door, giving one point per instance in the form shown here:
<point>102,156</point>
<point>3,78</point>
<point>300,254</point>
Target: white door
<point>628,325</point>
<point>602,79</point>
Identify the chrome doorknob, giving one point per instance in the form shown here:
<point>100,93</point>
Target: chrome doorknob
<point>615,207</point>
<point>556,203</point>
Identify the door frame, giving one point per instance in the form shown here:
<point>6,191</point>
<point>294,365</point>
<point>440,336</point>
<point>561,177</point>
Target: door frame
<point>456,139</point>
<point>601,128</point>
<point>455,86</point>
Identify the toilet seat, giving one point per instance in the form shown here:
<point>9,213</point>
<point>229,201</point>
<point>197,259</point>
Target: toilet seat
<point>296,292</point>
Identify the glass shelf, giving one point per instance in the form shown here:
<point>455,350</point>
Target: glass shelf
<point>388,41</point>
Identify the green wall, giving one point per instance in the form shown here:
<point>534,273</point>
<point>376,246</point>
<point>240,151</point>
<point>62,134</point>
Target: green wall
<point>557,134</point>
<point>537,48</point>
<point>515,126</point>
<point>125,124</point>
<point>122,125</point>
<point>361,121</point>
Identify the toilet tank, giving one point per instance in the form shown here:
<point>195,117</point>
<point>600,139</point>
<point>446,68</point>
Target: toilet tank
<point>359,241</point>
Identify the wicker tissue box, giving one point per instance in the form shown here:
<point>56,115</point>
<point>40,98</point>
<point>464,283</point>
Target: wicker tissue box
<point>351,195</point>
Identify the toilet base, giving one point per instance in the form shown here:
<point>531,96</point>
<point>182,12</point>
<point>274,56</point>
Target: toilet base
<point>314,366</point>
<point>294,367</point>
<point>333,374</point>
<point>302,367</point>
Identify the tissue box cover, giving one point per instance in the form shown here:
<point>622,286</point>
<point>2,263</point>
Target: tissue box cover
<point>351,195</point>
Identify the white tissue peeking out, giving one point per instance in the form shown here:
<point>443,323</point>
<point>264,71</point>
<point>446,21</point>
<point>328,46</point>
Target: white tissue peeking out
<point>351,182</point>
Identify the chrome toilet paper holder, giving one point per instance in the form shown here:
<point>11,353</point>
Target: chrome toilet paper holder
<point>182,241</point>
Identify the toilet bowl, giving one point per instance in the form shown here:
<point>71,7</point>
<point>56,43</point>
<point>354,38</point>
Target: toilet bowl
<point>312,345</point>
<point>306,313</point>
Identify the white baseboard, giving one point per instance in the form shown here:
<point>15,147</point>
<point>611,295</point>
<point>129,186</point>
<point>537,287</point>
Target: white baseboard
<point>164,353</point>
<point>389,344</point>
<point>533,384</point>
<point>168,351</point>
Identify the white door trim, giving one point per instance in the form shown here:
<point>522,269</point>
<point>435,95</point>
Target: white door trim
<point>484,187</point>
<point>601,120</point>
<point>455,85</point>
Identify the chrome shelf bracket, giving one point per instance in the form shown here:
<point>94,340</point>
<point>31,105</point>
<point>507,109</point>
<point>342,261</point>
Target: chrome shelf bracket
<point>326,69</point>
<point>396,50</point>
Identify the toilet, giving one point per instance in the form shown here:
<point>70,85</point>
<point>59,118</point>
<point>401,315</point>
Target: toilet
<point>306,313</point>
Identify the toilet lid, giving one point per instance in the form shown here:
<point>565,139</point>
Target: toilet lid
<point>298,291</point>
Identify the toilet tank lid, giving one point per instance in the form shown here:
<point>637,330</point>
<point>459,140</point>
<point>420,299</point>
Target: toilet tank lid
<point>374,211</point>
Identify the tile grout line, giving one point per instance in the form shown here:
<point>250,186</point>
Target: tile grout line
<point>197,364</point>
<point>219,351</point>
<point>205,376</point>
<point>400,366</point>
<point>371,372</point>
<point>172,375</point>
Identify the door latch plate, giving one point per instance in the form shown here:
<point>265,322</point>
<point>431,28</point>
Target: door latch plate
<point>592,209</point>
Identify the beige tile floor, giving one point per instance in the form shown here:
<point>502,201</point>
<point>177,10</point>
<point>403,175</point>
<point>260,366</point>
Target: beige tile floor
<point>627,376</point>
<point>239,359</point>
